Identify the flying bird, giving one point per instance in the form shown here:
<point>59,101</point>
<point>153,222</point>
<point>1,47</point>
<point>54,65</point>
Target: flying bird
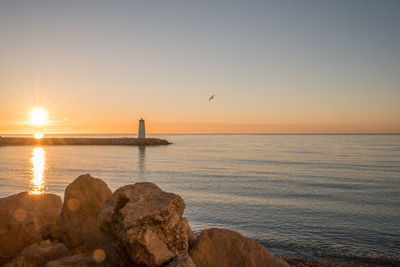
<point>211,98</point>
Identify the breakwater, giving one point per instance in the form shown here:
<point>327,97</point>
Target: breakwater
<point>126,141</point>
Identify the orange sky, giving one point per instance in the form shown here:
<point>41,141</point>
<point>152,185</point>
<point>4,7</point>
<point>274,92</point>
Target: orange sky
<point>191,128</point>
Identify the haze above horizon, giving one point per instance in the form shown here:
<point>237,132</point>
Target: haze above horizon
<point>274,67</point>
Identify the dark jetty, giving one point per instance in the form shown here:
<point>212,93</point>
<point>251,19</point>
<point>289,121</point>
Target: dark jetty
<point>27,141</point>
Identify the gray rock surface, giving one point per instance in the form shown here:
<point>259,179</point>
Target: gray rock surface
<point>37,255</point>
<point>146,224</point>
<point>227,248</point>
<point>21,217</point>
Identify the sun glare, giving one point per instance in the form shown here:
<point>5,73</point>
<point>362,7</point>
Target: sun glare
<point>38,116</point>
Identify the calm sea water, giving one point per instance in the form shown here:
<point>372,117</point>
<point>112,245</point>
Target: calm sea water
<point>304,195</point>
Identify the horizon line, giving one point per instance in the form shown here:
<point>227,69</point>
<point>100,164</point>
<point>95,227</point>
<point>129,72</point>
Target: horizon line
<point>333,133</point>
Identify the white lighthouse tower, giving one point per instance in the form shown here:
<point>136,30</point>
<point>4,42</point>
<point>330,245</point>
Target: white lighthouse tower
<point>142,131</point>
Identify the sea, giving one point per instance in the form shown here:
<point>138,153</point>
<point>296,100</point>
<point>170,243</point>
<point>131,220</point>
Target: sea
<point>321,196</point>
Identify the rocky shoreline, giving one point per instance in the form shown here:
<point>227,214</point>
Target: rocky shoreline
<point>137,225</point>
<point>27,141</point>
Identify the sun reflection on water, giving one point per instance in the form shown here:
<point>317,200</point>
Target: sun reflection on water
<point>38,161</point>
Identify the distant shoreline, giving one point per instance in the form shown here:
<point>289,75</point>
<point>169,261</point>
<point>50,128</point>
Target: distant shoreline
<point>48,141</point>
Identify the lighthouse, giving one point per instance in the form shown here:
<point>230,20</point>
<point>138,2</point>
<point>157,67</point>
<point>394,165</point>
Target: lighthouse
<point>142,131</point>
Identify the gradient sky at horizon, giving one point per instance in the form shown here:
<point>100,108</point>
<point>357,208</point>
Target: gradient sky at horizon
<point>274,66</point>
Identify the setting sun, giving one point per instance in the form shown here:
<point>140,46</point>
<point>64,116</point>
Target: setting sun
<point>38,135</point>
<point>38,116</point>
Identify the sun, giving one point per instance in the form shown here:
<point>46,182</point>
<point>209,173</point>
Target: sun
<point>38,116</point>
<point>38,135</point>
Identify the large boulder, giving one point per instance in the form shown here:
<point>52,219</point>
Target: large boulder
<point>227,248</point>
<point>21,217</point>
<point>39,254</point>
<point>83,200</point>
<point>146,224</point>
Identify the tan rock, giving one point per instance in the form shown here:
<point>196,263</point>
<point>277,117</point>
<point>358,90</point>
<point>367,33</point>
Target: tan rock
<point>46,230</point>
<point>191,235</point>
<point>37,255</point>
<point>77,226</point>
<point>227,248</point>
<point>83,200</point>
<point>182,261</point>
<point>21,217</point>
<point>146,223</point>
<point>75,261</point>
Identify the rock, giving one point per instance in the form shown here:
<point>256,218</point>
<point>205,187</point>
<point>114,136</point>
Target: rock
<point>77,226</point>
<point>182,261</point>
<point>83,200</point>
<point>227,248</point>
<point>75,261</point>
<point>97,258</point>
<point>37,255</point>
<point>146,224</point>
<point>21,217</point>
<point>46,230</point>
<point>191,235</point>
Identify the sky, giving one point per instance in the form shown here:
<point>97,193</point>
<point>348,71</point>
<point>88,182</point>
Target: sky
<point>273,66</point>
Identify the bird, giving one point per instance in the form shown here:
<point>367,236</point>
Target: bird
<point>211,98</point>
